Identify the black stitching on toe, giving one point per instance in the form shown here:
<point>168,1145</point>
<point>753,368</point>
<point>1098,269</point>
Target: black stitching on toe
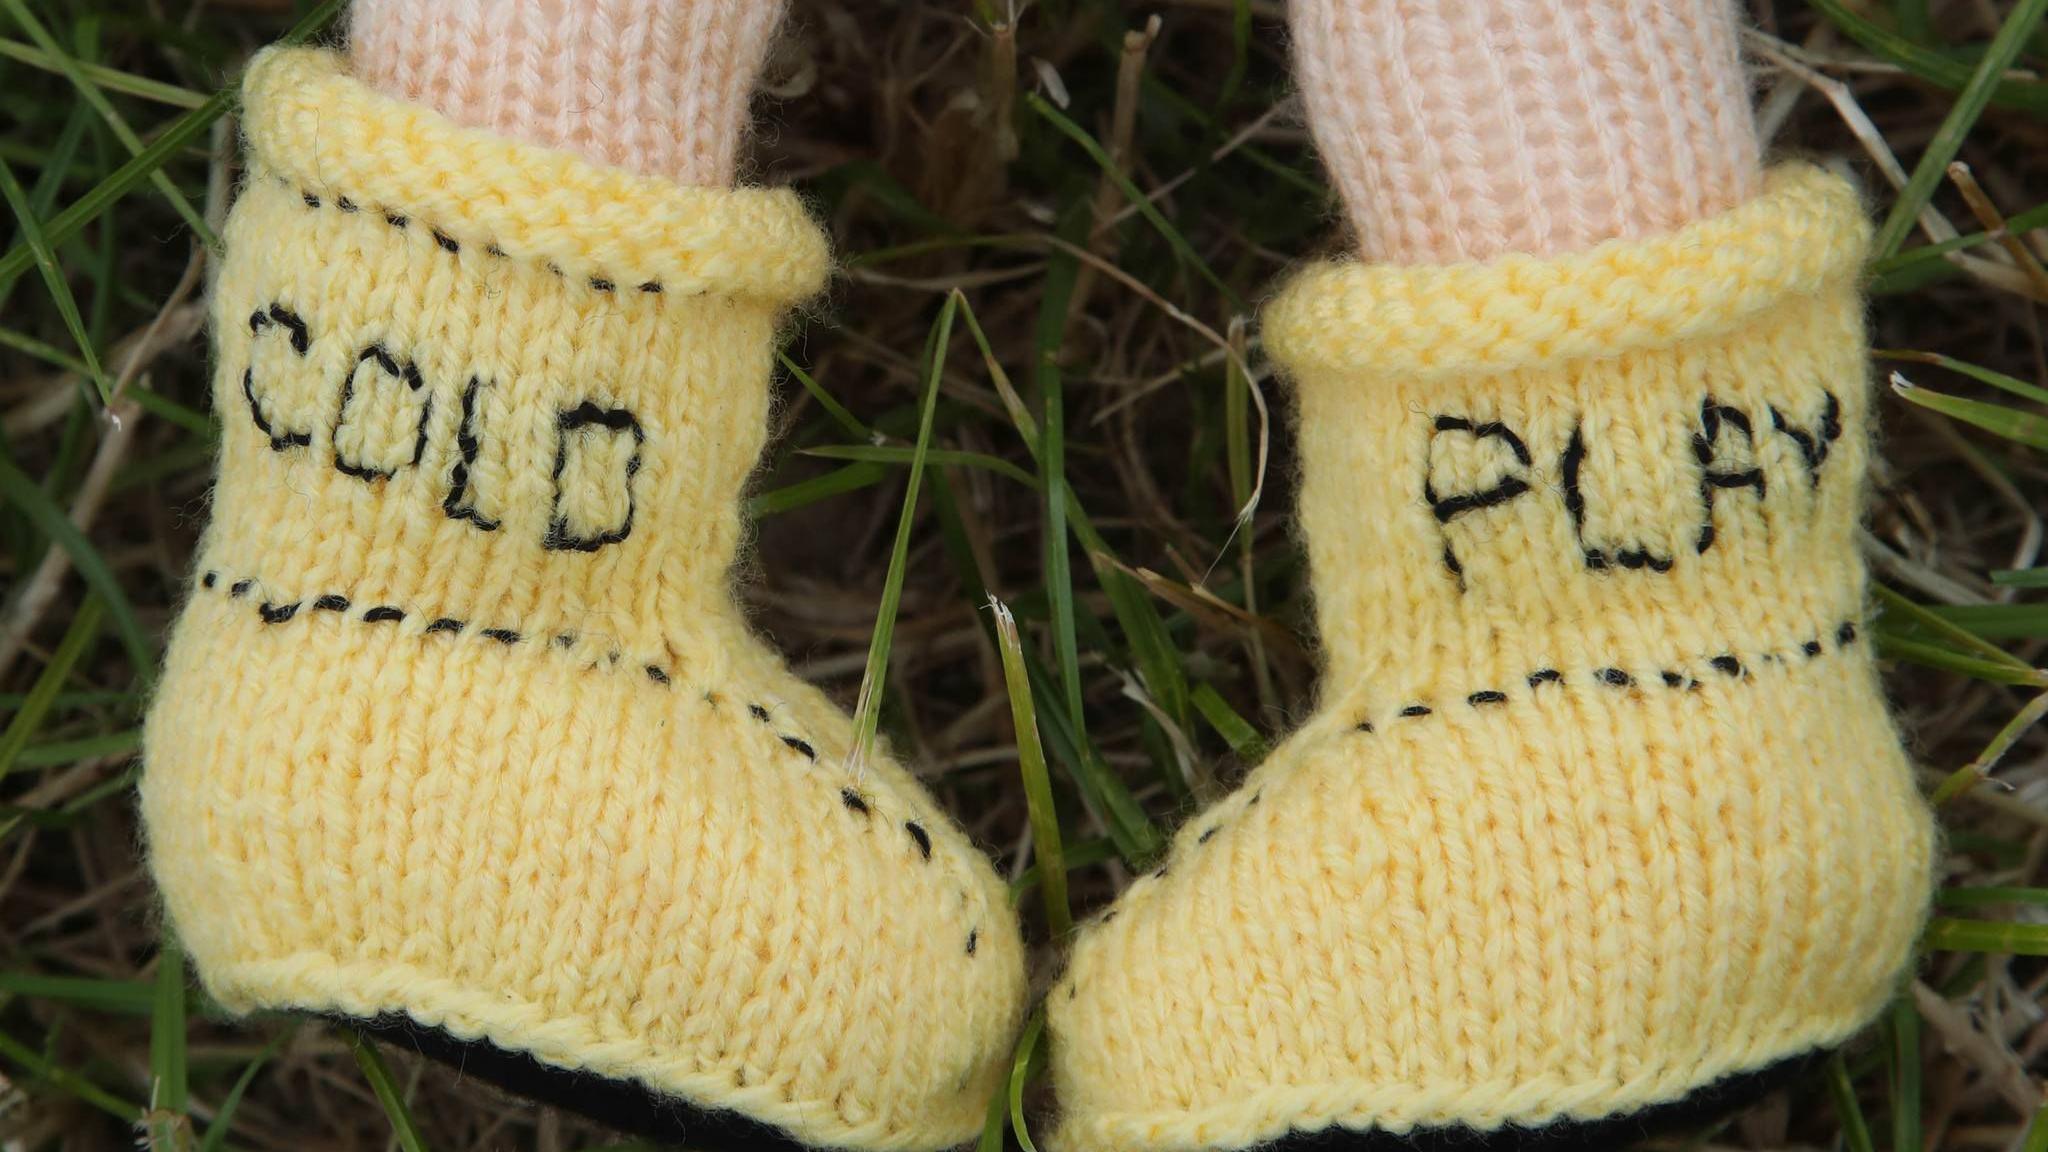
<point>383,613</point>
<point>502,635</point>
<point>758,712</point>
<point>1811,648</point>
<point>208,580</point>
<point>1615,677</point>
<point>654,672</point>
<point>311,200</point>
<point>446,241</point>
<point>973,940</point>
<point>922,837</point>
<point>1545,676</point>
<point>1364,726</point>
<point>277,613</point>
<point>446,624</point>
<point>395,220</point>
<point>853,800</point>
<point>344,203</point>
<point>1727,665</point>
<point>1672,679</point>
<point>650,286</point>
<point>1489,696</point>
<point>802,746</point>
<point>1845,635</point>
<point>1416,710</point>
<point>240,588</point>
<point>601,284</point>
<point>331,603</point>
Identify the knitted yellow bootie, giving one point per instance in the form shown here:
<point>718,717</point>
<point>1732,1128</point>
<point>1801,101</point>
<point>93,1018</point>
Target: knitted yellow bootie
<point>1603,806</point>
<point>461,733</point>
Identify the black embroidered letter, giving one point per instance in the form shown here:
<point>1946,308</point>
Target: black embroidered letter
<point>597,454</point>
<point>288,322</point>
<point>1706,446</point>
<point>1813,443</point>
<point>1506,484</point>
<point>459,505</point>
<point>381,424</point>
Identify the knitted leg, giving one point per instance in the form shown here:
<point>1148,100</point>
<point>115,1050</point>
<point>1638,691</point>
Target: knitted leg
<point>1602,822</point>
<point>658,86</point>
<point>460,733</point>
<point>1461,131</point>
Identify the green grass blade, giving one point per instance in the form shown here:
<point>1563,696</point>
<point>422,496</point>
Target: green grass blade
<point>2011,423</point>
<point>1990,896</point>
<point>1898,610</point>
<point>1236,732</point>
<point>91,94</point>
<point>1948,139</point>
<point>1947,935</point>
<point>1998,380</point>
<point>64,1080</point>
<point>1855,1131</point>
<point>1928,64</point>
<point>803,493</point>
<point>111,79</point>
<point>168,1092</point>
<point>1174,240</point>
<point>386,1090</point>
<point>1906,1058</point>
<point>17,489</point>
<point>826,400</point>
<point>938,457</point>
<point>83,629</point>
<point>2037,1132</point>
<point>53,277</point>
<point>48,353</point>
<point>2021,578</point>
<point>1996,621</point>
<point>868,707</point>
<point>216,1138</point>
<point>1893,647</point>
<point>1024,1066</point>
<point>1038,798</point>
<point>118,997</point>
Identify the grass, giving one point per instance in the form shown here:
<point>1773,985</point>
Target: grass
<point>1097,463</point>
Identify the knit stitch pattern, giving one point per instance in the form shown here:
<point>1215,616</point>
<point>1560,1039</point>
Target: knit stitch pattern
<point>1602,804</point>
<point>461,720</point>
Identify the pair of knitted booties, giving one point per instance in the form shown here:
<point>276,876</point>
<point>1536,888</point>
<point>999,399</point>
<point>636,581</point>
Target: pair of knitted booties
<point>463,740</point>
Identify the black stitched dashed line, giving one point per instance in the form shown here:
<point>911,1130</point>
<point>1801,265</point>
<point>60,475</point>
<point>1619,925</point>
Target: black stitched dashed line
<point>1672,679</point>
<point>209,580</point>
<point>654,672</point>
<point>277,613</point>
<point>446,624</point>
<point>1489,696</point>
<point>1811,647</point>
<point>758,712</point>
<point>1615,678</point>
<point>383,613</point>
<point>1726,665</point>
<point>240,588</point>
<point>1160,874</point>
<point>502,635</point>
<point>1845,635</point>
<point>802,747</point>
<point>1545,676</point>
<point>401,222</point>
<point>973,940</point>
<point>331,603</point>
<point>853,800</point>
<point>1110,916</point>
<point>1365,726</point>
<point>922,838</point>
<point>1256,796</point>
<point>565,640</point>
<point>1416,710</point>
<point>1209,835</point>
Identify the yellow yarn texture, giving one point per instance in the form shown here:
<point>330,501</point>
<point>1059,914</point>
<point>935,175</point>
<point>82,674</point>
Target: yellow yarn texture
<point>1602,803</point>
<point>461,721</point>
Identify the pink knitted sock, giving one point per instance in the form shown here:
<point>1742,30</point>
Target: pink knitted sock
<point>658,86</point>
<point>1461,131</point>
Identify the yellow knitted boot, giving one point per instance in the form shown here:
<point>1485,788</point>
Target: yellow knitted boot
<point>1602,808</point>
<point>461,734</point>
